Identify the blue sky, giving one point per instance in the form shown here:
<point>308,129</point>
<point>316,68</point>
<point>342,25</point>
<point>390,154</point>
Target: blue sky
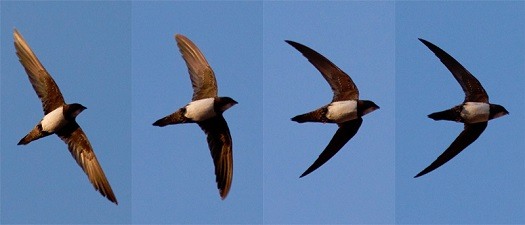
<point>120,60</point>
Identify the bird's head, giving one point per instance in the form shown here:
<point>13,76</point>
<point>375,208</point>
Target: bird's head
<point>366,106</point>
<point>497,111</point>
<point>225,103</point>
<point>72,110</point>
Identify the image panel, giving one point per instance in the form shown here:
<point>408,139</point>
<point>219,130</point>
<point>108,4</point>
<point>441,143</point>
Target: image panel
<point>356,185</point>
<point>174,180</point>
<point>85,50</point>
<point>479,179</point>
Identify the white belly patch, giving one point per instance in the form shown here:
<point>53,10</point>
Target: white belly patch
<point>342,111</point>
<point>475,112</point>
<point>200,110</point>
<point>53,120</point>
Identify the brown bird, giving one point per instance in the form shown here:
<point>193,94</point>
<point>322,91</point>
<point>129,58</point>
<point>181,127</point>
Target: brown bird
<point>474,112</point>
<point>345,109</point>
<point>59,119</point>
<point>206,110</point>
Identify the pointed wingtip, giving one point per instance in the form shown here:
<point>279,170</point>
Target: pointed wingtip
<point>426,43</point>
<point>223,194</point>
<point>21,142</point>
<point>423,172</point>
<point>16,34</point>
<point>308,171</point>
<point>181,38</point>
<point>293,43</point>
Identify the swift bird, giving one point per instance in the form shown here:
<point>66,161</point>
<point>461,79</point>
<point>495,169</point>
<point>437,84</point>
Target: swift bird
<point>206,110</point>
<point>474,112</point>
<point>345,109</point>
<point>59,119</point>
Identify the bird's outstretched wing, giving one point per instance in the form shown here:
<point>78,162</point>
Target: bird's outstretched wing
<point>470,133</point>
<point>202,77</point>
<point>341,84</point>
<point>80,148</point>
<point>473,90</point>
<point>346,131</point>
<point>44,85</point>
<point>220,144</point>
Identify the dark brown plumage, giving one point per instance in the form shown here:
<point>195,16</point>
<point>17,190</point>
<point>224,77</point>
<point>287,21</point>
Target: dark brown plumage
<point>344,90</point>
<point>474,94</point>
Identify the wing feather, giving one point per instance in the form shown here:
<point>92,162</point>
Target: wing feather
<point>346,131</point>
<point>220,144</point>
<point>81,150</point>
<point>202,77</point>
<point>44,85</point>
<point>470,133</point>
<point>341,84</point>
<point>474,91</point>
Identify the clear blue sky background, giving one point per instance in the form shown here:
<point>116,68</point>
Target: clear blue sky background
<point>120,60</point>
<point>485,183</point>
<point>86,46</point>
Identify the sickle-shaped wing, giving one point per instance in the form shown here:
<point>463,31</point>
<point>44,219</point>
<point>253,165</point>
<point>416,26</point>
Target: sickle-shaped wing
<point>474,92</point>
<point>470,133</point>
<point>346,131</point>
<point>202,77</point>
<point>45,87</point>
<point>341,84</point>
<point>80,148</point>
<point>220,144</point>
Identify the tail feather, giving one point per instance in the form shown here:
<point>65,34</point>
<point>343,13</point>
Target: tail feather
<point>174,118</point>
<point>35,134</point>
<point>318,115</point>
<point>449,114</point>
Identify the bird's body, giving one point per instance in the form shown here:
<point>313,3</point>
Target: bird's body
<point>342,111</point>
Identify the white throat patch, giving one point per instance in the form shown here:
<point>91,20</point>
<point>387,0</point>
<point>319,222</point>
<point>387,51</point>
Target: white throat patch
<point>200,110</point>
<point>342,111</point>
<point>475,112</point>
<point>53,120</point>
